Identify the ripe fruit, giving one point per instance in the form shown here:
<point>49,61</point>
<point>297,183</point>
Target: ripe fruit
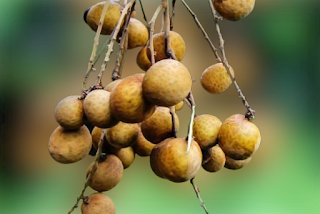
<point>123,135</point>
<point>142,59</point>
<point>138,34</point>
<point>69,146</point>
<point>98,203</point>
<point>215,79</point>
<point>126,155</point>
<point>107,175</point>
<point>127,101</point>
<point>143,147</point>
<point>234,9</point>
<point>97,109</point>
<point>169,159</point>
<point>214,159</point>
<point>111,19</point>
<point>159,126</point>
<point>205,130</point>
<point>112,85</point>
<point>69,113</point>
<point>238,137</point>
<point>133,14</point>
<point>236,164</point>
<point>167,83</point>
<point>179,106</point>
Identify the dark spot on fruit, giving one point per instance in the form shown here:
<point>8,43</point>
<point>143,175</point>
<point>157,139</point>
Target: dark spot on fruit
<point>85,14</point>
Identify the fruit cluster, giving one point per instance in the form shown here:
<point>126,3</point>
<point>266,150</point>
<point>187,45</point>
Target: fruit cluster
<point>136,114</point>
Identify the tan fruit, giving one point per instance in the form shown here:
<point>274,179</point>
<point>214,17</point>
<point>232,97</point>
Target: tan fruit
<point>238,137</point>
<point>215,79</point>
<point>169,159</point>
<point>69,113</point>
<point>138,34</point>
<point>205,130</point>
<point>143,147</point>
<point>159,126</point>
<point>127,101</point>
<point>214,159</point>
<point>234,9</point>
<point>236,164</point>
<point>123,135</point>
<point>97,109</point>
<point>69,146</point>
<point>112,85</point>
<point>179,106</point>
<point>111,19</point>
<point>167,83</point>
<point>96,135</point>
<point>107,175</point>
<point>142,59</point>
<point>126,155</point>
<point>133,14</point>
<point>98,203</point>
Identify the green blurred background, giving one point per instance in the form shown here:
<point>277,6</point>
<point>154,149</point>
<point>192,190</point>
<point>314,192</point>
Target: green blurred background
<point>44,50</point>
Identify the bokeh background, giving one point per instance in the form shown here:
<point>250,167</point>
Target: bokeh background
<point>44,50</point>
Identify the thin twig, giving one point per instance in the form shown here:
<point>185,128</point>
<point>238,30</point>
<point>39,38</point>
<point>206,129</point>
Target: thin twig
<point>174,127</point>
<point>162,22</point>
<point>104,47</point>
<point>144,15</point>
<point>193,113</point>
<point>173,14</point>
<point>198,195</point>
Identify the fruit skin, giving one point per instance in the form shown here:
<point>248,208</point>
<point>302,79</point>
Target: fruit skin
<point>179,106</point>
<point>69,113</point>
<point>107,175</point>
<point>97,109</point>
<point>236,164</point>
<point>214,159</point>
<point>123,135</point>
<point>138,34</point>
<point>215,79</point>
<point>238,137</point>
<point>169,160</point>
<point>112,85</point>
<point>98,203</point>
<point>143,147</point>
<point>167,83</point>
<point>142,59</point>
<point>158,127</point>
<point>127,101</point>
<point>110,20</point>
<point>126,155</point>
<point>205,130</point>
<point>69,146</point>
<point>234,10</point>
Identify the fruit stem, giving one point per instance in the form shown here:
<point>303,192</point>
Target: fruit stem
<point>144,15</point>
<point>198,195</point>
<point>193,113</point>
<point>173,14</point>
<point>174,128</point>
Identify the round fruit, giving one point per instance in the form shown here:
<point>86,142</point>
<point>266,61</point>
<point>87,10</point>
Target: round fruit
<point>234,9</point>
<point>143,147</point>
<point>126,155</point>
<point>133,14</point>
<point>215,79</point>
<point>138,34</point>
<point>69,146</point>
<point>214,159</point>
<point>98,203</point>
<point>127,101</point>
<point>236,164</point>
<point>112,85</point>
<point>107,175</point>
<point>179,106</point>
<point>167,83</point>
<point>169,159</point>
<point>96,135</point>
<point>142,59</point>
<point>123,135</point>
<point>205,130</point>
<point>238,137</point>
<point>159,126</point>
<point>97,109</point>
<point>69,113</point>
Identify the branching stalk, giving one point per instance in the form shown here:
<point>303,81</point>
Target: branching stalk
<point>198,195</point>
<point>173,14</point>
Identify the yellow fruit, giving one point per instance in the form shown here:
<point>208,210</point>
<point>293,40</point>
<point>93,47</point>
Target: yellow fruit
<point>138,34</point>
<point>108,174</point>
<point>169,159</point>
<point>238,137</point>
<point>214,159</point>
<point>234,9</point>
<point>97,109</point>
<point>167,83</point>
<point>126,155</point>
<point>123,135</point>
<point>133,14</point>
<point>159,126</point>
<point>205,130</point>
<point>143,147</point>
<point>69,113</point>
<point>98,203</point>
<point>179,106</point>
<point>69,146</point>
<point>112,85</point>
<point>127,101</point>
<point>215,79</point>
<point>142,59</point>
<point>236,164</point>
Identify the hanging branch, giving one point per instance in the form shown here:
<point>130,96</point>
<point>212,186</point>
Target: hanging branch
<point>144,15</point>
<point>198,195</point>
<point>173,14</point>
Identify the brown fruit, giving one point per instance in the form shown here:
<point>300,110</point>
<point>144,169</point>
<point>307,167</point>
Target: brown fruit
<point>133,14</point>
<point>98,203</point>
<point>169,159</point>
<point>142,59</point>
<point>138,34</point>
<point>238,137</point>
<point>123,135</point>
<point>112,85</point>
<point>143,147</point>
<point>167,83</point>
<point>96,135</point>
<point>69,146</point>
<point>126,155</point>
<point>69,113</point>
<point>159,126</point>
<point>107,175</point>
<point>127,101</point>
<point>236,164</point>
<point>179,106</point>
<point>215,79</point>
<point>234,9</point>
<point>214,159</point>
<point>97,109</point>
<point>205,130</point>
